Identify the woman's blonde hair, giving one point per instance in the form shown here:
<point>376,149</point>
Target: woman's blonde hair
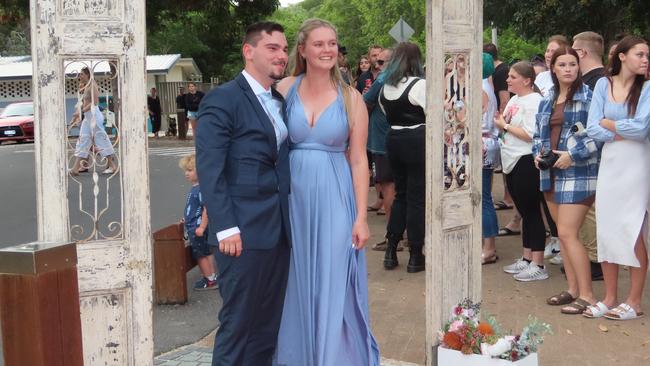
<point>298,64</point>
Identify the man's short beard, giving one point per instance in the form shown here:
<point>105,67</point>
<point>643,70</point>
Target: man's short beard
<point>275,76</point>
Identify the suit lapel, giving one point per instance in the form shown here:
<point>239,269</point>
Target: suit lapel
<point>262,117</point>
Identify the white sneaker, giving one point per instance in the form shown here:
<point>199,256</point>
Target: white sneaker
<point>552,248</point>
<point>557,259</point>
<point>516,267</point>
<point>532,273</point>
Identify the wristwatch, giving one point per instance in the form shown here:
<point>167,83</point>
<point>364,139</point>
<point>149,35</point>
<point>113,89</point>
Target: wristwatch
<point>505,127</point>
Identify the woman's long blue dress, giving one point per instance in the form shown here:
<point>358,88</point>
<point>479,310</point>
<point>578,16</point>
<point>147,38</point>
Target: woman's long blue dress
<point>325,319</point>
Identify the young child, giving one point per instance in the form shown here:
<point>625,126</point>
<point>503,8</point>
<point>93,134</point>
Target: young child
<point>196,226</point>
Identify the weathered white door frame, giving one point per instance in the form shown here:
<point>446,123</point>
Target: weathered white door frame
<point>115,275</point>
<point>453,222</point>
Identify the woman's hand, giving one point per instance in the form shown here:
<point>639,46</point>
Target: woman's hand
<point>608,124</point>
<point>499,121</point>
<point>537,160</point>
<point>360,234</point>
<point>564,161</point>
<point>199,231</point>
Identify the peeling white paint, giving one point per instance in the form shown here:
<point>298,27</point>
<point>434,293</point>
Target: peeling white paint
<point>114,276</point>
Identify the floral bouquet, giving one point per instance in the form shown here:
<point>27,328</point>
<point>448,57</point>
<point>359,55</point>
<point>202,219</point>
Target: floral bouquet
<point>465,332</point>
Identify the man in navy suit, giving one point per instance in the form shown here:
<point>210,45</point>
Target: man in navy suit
<point>243,169</point>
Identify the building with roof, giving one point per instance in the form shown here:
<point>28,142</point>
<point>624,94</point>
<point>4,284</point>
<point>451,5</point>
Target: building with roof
<point>16,75</point>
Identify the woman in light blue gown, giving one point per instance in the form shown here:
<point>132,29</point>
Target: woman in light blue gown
<point>325,318</point>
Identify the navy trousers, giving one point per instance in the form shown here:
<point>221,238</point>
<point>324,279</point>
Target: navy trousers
<point>252,287</point>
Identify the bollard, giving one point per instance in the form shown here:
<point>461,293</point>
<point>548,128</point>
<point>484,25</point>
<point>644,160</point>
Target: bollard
<point>39,305</point>
<point>172,260</point>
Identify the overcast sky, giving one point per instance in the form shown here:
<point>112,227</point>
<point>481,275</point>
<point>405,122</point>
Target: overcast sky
<point>287,2</point>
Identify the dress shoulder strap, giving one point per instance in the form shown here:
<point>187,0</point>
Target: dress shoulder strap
<point>293,90</point>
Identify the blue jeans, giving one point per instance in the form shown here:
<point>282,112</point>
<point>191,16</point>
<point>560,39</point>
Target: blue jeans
<point>490,223</point>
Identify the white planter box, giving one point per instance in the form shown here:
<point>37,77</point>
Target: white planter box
<point>449,357</point>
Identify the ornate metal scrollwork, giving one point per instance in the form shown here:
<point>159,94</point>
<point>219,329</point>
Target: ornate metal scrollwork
<point>456,129</point>
<point>93,150</point>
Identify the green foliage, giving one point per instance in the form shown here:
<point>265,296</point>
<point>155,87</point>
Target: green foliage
<point>181,34</point>
<point>543,18</point>
<point>291,18</point>
<point>210,31</point>
<point>14,28</point>
<point>360,23</point>
<point>16,44</point>
<point>514,47</point>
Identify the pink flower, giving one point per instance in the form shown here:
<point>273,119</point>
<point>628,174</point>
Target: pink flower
<point>456,325</point>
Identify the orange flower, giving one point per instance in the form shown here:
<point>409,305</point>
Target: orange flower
<point>452,340</point>
<point>485,329</point>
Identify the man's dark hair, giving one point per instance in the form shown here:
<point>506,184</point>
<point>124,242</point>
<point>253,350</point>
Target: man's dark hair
<point>254,31</point>
<point>491,48</point>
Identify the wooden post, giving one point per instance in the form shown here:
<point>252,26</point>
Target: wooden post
<point>111,221</point>
<point>39,305</point>
<point>172,260</point>
<point>454,160</point>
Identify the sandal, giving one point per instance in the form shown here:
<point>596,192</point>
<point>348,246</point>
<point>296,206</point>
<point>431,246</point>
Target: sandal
<point>575,308</point>
<point>372,209</point>
<point>563,298</point>
<point>596,311</point>
<point>504,231</point>
<point>623,312</point>
<point>500,205</point>
<point>492,258</point>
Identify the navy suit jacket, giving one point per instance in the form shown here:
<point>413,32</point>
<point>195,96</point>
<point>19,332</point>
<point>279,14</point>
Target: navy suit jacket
<point>244,179</point>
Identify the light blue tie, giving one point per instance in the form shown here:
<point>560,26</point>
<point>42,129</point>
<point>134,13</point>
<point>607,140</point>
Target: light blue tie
<point>272,108</point>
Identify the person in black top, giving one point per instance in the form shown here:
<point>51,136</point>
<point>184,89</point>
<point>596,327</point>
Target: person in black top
<point>181,113</point>
<point>499,77</point>
<point>403,100</point>
<point>590,48</point>
<point>192,101</point>
<point>155,111</point>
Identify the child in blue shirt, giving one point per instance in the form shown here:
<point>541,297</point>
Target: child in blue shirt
<point>195,219</point>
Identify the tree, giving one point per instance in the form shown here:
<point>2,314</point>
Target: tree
<point>513,47</point>
<point>210,31</point>
<point>542,18</point>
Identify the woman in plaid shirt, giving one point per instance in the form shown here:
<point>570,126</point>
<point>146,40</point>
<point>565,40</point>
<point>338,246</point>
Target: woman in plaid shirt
<point>569,185</point>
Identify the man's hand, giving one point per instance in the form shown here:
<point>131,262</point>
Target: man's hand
<point>231,245</point>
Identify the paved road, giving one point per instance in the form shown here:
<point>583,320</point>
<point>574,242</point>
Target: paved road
<point>173,325</point>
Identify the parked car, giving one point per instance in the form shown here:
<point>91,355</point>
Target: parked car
<point>17,122</point>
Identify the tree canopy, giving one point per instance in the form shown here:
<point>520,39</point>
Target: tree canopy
<point>211,31</point>
<point>543,18</point>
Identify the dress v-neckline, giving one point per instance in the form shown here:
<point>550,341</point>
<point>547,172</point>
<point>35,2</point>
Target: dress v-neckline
<point>304,112</point>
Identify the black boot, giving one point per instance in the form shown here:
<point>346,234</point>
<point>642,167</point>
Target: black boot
<point>416,259</point>
<point>390,258</point>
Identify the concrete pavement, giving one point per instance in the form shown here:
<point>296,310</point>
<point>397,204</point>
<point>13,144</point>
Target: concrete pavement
<point>397,311</point>
<point>396,298</point>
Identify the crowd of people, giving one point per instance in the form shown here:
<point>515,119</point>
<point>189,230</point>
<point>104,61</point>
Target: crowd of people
<point>570,136</point>
<point>574,141</point>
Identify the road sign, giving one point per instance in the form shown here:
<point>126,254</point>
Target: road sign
<point>401,31</point>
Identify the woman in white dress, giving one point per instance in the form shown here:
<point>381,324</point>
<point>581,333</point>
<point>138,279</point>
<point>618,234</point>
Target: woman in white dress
<point>619,113</point>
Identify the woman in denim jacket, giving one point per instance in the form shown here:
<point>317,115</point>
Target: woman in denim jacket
<point>569,182</point>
